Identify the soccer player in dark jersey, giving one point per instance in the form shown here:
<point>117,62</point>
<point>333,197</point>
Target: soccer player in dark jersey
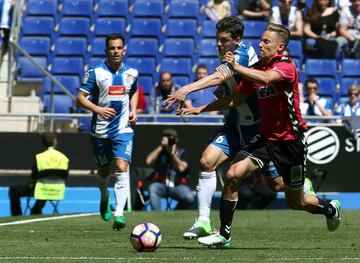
<point>274,79</point>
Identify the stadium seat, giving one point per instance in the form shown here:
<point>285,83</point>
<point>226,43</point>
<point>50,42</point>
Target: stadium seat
<point>93,61</point>
<point>36,46</point>
<point>174,47</point>
<point>254,29</point>
<point>181,80</point>
<point>321,67</point>
<point>106,26</point>
<point>62,103</point>
<point>114,8</point>
<point>211,63</point>
<point>181,66</point>
<point>145,66</point>
<point>28,72</point>
<point>41,8</point>
<point>208,29</point>
<point>143,47</point>
<point>295,49</point>
<point>74,27</point>
<point>208,48</point>
<point>77,8</point>
<point>98,47</point>
<point>297,63</point>
<point>149,9</point>
<point>346,83</point>
<point>71,46</point>
<point>350,68</point>
<point>39,26</point>
<point>68,66</point>
<point>72,83</point>
<point>181,28</point>
<point>141,27</point>
<point>146,83</point>
<point>185,9</point>
<point>327,86</point>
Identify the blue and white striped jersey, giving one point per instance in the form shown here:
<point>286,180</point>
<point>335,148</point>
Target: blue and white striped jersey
<point>110,89</point>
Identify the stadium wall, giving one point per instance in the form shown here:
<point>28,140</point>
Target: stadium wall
<point>333,154</point>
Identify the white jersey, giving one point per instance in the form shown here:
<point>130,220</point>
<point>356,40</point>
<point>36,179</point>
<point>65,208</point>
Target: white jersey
<point>110,89</point>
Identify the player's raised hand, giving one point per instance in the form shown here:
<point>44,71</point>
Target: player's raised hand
<point>177,97</point>
<point>229,58</point>
<point>132,117</point>
<point>106,112</point>
<point>188,111</point>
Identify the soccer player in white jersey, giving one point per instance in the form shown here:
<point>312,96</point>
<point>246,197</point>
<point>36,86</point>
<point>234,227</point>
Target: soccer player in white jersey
<point>109,90</point>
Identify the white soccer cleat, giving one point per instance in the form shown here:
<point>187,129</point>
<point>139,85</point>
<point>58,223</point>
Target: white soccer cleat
<point>215,240</point>
<point>334,222</point>
<point>199,229</point>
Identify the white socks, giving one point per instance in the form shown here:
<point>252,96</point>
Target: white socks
<point>103,186</point>
<point>205,190</point>
<point>121,192</point>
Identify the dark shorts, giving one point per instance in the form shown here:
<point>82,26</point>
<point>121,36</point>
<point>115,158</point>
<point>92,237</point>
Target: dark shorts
<point>288,157</point>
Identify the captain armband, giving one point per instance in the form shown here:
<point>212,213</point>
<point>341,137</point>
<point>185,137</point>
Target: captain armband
<point>223,72</point>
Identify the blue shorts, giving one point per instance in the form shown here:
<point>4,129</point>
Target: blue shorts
<point>227,138</point>
<point>106,149</point>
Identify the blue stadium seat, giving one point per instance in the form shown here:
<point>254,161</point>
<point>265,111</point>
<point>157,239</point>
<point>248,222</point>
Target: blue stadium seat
<point>28,72</point>
<point>98,47</point>
<point>143,47</point>
<point>36,46</point>
<point>327,86</point>
<point>208,48</point>
<point>71,46</point>
<point>93,61</point>
<point>141,27</point>
<point>77,8</point>
<point>62,104</point>
<point>106,26</point>
<point>181,28</point>
<point>39,26</point>
<point>115,8</point>
<point>297,63</point>
<point>174,47</point>
<point>74,26</point>
<point>211,63</point>
<point>149,8</point>
<point>72,83</point>
<point>185,9</point>
<point>350,68</point>
<point>181,80</point>
<point>254,29</point>
<point>145,66</point>
<point>295,49</point>
<point>321,67</point>
<point>147,83</point>
<point>41,8</point>
<point>346,83</point>
<point>181,66</point>
<point>68,66</point>
<point>208,29</point>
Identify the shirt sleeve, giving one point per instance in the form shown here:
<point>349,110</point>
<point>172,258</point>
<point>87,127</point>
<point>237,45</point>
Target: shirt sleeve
<point>286,70</point>
<point>344,17</point>
<point>89,81</point>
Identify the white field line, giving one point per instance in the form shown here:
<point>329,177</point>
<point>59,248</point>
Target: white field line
<point>312,259</point>
<point>28,221</point>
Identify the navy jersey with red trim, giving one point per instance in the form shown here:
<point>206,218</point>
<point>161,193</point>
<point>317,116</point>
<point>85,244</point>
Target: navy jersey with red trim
<point>279,102</point>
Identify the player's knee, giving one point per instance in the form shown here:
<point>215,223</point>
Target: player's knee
<point>121,168</point>
<point>206,165</point>
<point>232,177</point>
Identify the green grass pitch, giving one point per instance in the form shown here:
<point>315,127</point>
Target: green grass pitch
<point>257,236</point>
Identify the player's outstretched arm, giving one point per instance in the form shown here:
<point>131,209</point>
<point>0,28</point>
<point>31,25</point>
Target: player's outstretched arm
<point>83,101</point>
<point>180,95</point>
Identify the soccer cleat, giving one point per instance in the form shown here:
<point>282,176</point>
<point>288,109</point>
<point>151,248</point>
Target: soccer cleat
<point>119,222</point>
<point>215,240</point>
<point>334,222</point>
<point>105,209</point>
<point>308,187</point>
<point>199,229</point>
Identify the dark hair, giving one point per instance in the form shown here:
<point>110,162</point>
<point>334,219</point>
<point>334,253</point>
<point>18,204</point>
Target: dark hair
<point>114,37</point>
<point>48,139</point>
<point>282,31</point>
<point>201,66</point>
<point>311,80</point>
<point>232,25</point>
<point>314,11</point>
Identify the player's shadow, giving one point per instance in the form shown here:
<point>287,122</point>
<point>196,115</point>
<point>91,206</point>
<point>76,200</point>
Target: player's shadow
<point>237,248</point>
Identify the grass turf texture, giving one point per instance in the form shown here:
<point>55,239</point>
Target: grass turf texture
<point>258,236</point>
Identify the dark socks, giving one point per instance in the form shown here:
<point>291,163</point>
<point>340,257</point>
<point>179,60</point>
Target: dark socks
<point>325,208</point>
<point>227,209</point>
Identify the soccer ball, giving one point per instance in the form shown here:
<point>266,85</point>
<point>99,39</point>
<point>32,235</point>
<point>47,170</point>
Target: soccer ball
<point>145,237</point>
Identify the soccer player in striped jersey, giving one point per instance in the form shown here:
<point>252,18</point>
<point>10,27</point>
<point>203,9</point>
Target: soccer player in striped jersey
<point>109,90</point>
